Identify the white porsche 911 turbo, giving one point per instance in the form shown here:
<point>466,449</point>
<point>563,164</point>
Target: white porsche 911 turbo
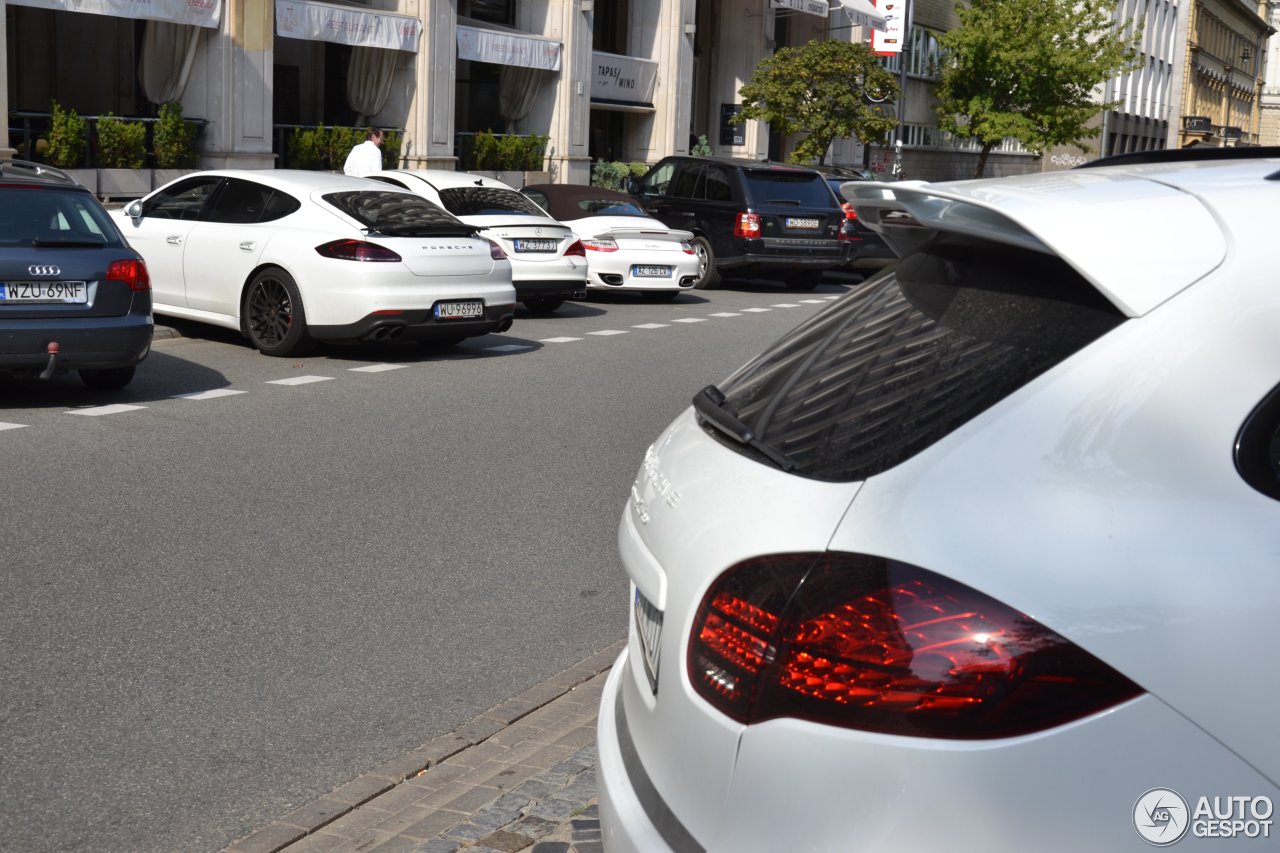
<point>627,249</point>
<point>290,257</point>
<point>986,556</point>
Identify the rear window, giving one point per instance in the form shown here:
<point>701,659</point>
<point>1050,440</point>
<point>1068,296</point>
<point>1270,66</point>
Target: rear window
<point>913,354</point>
<point>487,201</point>
<point>780,186</point>
<point>398,214</point>
<point>49,217</point>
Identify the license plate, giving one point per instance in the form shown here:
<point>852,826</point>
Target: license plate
<point>461,310</point>
<point>536,245</point>
<point>803,222</point>
<point>640,271</point>
<point>48,292</point>
<point>649,630</point>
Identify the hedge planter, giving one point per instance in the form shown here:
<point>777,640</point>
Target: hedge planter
<point>160,177</point>
<point>86,177</point>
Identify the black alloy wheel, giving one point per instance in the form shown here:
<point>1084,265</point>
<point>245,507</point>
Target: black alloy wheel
<point>274,317</point>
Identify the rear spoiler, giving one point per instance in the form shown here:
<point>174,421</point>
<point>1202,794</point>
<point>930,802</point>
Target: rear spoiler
<point>648,234</point>
<point>1101,225</point>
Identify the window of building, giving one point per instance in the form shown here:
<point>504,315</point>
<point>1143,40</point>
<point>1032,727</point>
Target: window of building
<point>492,11</point>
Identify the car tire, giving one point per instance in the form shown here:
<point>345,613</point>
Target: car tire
<point>107,379</point>
<point>659,295</point>
<point>807,280</point>
<point>708,276</point>
<point>543,304</point>
<point>274,318</point>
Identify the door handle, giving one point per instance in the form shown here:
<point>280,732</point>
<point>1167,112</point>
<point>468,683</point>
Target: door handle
<point>174,240</point>
<point>247,246</point>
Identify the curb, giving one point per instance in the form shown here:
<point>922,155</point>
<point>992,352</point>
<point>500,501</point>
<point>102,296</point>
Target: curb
<point>306,820</point>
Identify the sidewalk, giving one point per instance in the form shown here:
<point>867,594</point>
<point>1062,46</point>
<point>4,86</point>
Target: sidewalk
<point>518,777</point>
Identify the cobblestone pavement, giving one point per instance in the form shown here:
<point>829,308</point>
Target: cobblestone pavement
<point>520,777</point>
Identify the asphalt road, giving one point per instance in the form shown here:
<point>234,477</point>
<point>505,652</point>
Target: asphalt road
<point>214,609</point>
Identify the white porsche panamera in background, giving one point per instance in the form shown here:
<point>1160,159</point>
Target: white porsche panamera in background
<point>290,257</point>
<point>548,262</point>
<point>627,249</point>
<point>986,556</point>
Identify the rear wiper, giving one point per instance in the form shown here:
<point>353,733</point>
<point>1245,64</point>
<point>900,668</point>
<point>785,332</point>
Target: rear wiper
<point>794,202</point>
<point>710,402</point>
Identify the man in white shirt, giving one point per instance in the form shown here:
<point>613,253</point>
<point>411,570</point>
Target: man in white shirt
<point>366,157</point>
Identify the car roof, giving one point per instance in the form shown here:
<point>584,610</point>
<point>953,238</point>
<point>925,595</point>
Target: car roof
<point>300,181</point>
<point>37,175</point>
<point>448,179</point>
<point>1138,233</point>
<point>562,199</point>
<point>736,163</point>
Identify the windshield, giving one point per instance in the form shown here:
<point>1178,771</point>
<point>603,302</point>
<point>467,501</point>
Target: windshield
<point>398,214</point>
<point>488,201</point>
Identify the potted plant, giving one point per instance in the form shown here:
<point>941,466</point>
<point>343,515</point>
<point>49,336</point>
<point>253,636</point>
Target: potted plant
<point>121,154</point>
<point>512,159</point>
<point>67,139</point>
<point>173,145</point>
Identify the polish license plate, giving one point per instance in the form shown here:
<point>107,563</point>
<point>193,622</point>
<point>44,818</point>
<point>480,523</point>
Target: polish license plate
<point>536,245</point>
<point>806,222</point>
<point>44,292</point>
<point>643,271</point>
<point>649,630</point>
<point>465,309</point>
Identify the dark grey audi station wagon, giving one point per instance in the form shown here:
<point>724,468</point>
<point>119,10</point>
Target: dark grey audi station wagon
<point>73,294</point>
<point>749,219</point>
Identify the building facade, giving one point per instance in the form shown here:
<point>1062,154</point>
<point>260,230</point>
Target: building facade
<point>1269,115</point>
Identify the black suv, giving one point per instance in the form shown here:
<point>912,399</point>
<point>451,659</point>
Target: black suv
<point>73,294</point>
<point>753,219</point>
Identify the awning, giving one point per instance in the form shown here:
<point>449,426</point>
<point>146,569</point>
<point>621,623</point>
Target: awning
<point>809,7</point>
<point>507,47</point>
<point>312,21</point>
<point>618,81</point>
<point>863,13</point>
<point>200,13</point>
<point>621,106</point>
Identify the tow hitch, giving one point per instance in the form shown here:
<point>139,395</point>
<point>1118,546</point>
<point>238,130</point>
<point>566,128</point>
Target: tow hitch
<point>53,360</point>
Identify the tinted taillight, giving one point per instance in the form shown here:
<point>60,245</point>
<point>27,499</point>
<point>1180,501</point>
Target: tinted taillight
<point>849,212</point>
<point>132,272</point>
<point>576,248</point>
<point>867,643</point>
<point>496,252</point>
<point>747,225</point>
<point>600,245</point>
<point>357,250</point>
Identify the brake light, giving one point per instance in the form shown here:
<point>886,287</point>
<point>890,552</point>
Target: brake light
<point>576,248</point>
<point>686,247</point>
<point>131,272</point>
<point>849,212</point>
<point>747,225</point>
<point>357,250</point>
<point>496,252</point>
<point>600,245</point>
<point>867,643</point>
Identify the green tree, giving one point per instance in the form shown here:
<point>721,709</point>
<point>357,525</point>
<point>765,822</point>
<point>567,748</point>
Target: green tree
<point>1027,70</point>
<point>827,89</point>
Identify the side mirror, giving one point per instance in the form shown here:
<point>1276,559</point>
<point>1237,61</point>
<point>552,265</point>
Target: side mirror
<point>633,186</point>
<point>133,209</point>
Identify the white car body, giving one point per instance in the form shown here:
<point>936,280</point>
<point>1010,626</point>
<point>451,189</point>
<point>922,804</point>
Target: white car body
<point>203,266</point>
<point>626,248</point>
<point>1099,499</point>
<point>548,264</point>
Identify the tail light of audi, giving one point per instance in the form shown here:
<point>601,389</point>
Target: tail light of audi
<point>132,272</point>
<point>872,644</point>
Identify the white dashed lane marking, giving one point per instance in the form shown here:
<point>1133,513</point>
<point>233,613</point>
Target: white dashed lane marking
<point>650,326</point>
<point>607,332</point>
<point>813,301</point>
<point>209,395</point>
<point>299,380</point>
<point>757,310</point>
<point>11,426</point>
<point>559,340</point>
<point>786,305</point>
<point>690,320</point>
<point>113,409</point>
<point>376,368</point>
<point>829,298</point>
<point>726,314</point>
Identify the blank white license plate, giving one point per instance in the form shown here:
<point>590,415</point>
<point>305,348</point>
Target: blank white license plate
<point>649,629</point>
<point>803,222</point>
<point>461,310</point>
<point>44,291</point>
<point>536,245</point>
<point>641,271</point>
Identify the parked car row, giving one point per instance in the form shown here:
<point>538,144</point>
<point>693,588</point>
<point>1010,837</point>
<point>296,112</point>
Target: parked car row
<point>289,258</point>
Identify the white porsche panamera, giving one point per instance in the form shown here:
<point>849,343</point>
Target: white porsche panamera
<point>984,556</point>
<point>290,257</point>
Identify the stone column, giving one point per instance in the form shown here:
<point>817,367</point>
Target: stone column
<point>6,152</point>
<point>429,125</point>
<point>231,85</point>
<point>569,108</point>
<point>663,30</point>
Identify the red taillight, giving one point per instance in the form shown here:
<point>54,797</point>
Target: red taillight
<point>496,252</point>
<point>849,212</point>
<point>576,248</point>
<point>357,250</point>
<point>600,245</point>
<point>132,273</point>
<point>866,643</point>
<point>747,225</point>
